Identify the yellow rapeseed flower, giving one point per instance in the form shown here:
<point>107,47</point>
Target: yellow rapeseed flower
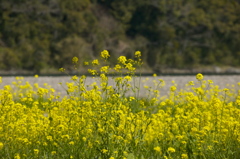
<point>191,83</point>
<point>61,69</point>
<point>130,67</point>
<point>104,151</point>
<point>86,63</point>
<point>158,149</point>
<point>184,156</point>
<point>93,72</point>
<point>171,150</point>
<point>74,78</point>
<point>95,62</point>
<point>131,98</point>
<point>128,78</point>
<point>75,60</point>
<point>210,82</point>
<point>225,90</point>
<point>84,139</point>
<point>122,59</point>
<point>36,151</point>
<point>53,152</point>
<point>117,67</point>
<point>199,76</point>
<point>105,54</point>
<point>137,54</point>
<point>1,145</point>
<point>173,88</point>
<point>66,137</point>
<point>104,69</point>
<point>17,156</point>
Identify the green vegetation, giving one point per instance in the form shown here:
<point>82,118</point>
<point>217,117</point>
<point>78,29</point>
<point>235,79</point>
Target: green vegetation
<point>41,35</point>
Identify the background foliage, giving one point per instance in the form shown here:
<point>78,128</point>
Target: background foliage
<point>44,34</point>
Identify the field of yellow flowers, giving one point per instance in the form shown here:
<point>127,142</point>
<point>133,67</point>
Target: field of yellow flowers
<point>100,121</point>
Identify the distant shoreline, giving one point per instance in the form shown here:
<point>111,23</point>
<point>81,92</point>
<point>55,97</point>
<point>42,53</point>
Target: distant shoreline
<point>137,74</point>
<point>214,70</point>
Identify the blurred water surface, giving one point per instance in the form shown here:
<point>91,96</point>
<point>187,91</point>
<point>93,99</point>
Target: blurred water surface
<point>223,81</point>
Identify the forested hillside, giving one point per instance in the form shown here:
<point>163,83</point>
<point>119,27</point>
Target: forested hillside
<point>42,35</point>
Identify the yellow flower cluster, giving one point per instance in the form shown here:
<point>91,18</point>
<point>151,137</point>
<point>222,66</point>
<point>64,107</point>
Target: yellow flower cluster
<point>104,69</point>
<point>102,121</point>
<point>122,59</point>
<point>138,54</point>
<point>61,69</point>
<point>95,62</point>
<point>199,76</point>
<point>105,54</point>
<point>75,60</point>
